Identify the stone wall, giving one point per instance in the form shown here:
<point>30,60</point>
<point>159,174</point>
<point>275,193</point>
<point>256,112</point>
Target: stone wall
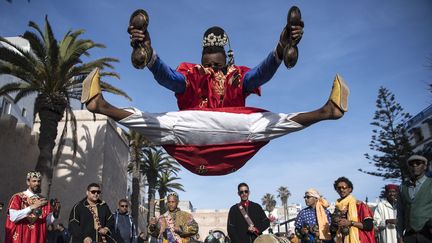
<point>102,157</point>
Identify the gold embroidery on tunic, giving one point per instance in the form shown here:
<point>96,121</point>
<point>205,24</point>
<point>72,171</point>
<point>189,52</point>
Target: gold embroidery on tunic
<point>219,84</point>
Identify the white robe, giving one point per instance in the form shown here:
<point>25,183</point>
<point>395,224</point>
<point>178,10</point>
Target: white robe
<point>386,233</point>
<point>195,127</point>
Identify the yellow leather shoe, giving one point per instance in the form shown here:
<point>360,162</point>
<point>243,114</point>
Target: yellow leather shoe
<point>339,93</point>
<point>91,86</point>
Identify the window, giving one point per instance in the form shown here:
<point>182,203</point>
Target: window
<point>24,112</point>
<point>429,125</point>
<point>7,106</point>
<point>417,135</point>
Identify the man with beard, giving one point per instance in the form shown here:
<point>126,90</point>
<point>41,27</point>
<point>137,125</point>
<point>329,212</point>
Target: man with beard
<point>415,206</point>
<point>246,219</point>
<point>174,226</point>
<point>385,215</point>
<point>91,219</point>
<point>356,225</point>
<point>29,213</point>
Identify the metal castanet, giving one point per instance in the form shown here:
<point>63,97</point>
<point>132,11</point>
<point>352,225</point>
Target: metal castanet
<point>290,53</point>
<point>141,53</point>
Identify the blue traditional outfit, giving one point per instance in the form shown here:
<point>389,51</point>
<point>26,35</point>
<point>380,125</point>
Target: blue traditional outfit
<point>317,220</point>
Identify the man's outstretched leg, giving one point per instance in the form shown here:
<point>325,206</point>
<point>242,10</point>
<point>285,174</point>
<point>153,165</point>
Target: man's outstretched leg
<point>333,109</point>
<point>92,97</point>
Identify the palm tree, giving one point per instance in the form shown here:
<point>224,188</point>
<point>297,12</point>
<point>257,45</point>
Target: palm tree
<point>54,71</point>
<point>166,184</point>
<point>268,202</point>
<point>137,143</point>
<point>284,194</point>
<point>155,160</point>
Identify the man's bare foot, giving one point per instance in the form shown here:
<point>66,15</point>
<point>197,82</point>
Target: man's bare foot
<point>331,111</point>
<point>95,104</point>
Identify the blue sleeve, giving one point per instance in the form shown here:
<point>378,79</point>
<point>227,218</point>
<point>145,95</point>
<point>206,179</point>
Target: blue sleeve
<point>262,73</point>
<point>167,77</point>
<point>299,220</point>
<point>328,216</point>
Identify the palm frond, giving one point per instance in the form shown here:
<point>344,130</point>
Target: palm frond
<point>36,27</point>
<point>22,93</point>
<point>16,58</point>
<point>13,87</point>
<point>36,44</point>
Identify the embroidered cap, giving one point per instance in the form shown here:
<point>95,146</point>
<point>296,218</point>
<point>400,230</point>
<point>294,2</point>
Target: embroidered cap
<point>33,174</point>
<point>214,41</point>
<point>172,194</point>
<point>215,36</point>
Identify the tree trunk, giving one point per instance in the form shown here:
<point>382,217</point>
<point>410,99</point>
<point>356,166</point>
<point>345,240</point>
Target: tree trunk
<point>152,180</point>
<point>49,118</point>
<point>135,202</point>
<point>162,203</point>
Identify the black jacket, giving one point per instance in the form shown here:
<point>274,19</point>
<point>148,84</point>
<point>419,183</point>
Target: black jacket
<point>238,227</point>
<point>81,222</point>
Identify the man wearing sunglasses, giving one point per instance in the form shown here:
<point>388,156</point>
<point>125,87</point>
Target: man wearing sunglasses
<point>246,219</point>
<point>355,219</point>
<point>314,221</point>
<point>415,207</point>
<point>91,219</point>
<point>124,228</point>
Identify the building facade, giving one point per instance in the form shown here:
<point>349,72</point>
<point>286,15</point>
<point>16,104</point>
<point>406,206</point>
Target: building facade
<point>23,110</point>
<point>419,128</point>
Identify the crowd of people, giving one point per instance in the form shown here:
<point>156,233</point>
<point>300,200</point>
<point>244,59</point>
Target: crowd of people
<point>403,215</point>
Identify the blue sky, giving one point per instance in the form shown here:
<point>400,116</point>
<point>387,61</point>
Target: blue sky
<point>370,43</point>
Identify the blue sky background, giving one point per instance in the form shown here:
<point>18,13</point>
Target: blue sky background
<point>370,43</point>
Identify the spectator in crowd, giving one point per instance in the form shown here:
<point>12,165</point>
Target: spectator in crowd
<point>91,219</point>
<point>63,235</point>
<point>51,234</point>
<point>124,228</point>
<point>246,219</point>
<point>385,215</point>
<point>29,213</point>
<point>415,207</point>
<point>355,223</point>
<point>313,222</point>
<point>174,225</point>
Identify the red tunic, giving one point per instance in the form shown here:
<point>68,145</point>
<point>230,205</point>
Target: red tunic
<point>208,89</point>
<point>31,229</point>
<point>364,212</point>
